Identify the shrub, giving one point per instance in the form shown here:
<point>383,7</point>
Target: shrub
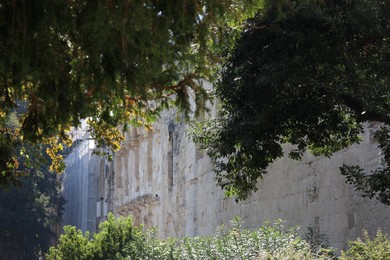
<point>112,241</point>
<point>379,248</point>
<point>319,242</point>
<point>271,241</point>
<point>119,239</point>
<point>73,245</point>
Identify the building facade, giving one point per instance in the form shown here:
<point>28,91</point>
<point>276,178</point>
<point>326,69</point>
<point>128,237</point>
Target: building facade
<point>162,179</point>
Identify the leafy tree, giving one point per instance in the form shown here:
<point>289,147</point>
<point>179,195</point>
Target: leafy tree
<point>30,214</point>
<point>308,73</point>
<point>114,62</point>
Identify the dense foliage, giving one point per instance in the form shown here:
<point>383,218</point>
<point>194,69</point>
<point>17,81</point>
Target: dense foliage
<point>377,248</point>
<point>118,239</point>
<point>307,73</point>
<point>30,214</point>
<point>106,61</point>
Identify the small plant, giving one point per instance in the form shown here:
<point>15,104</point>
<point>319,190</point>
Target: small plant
<point>319,242</point>
<point>378,248</point>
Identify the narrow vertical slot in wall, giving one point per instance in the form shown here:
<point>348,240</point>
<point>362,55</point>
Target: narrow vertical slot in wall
<point>126,164</point>
<point>150,157</point>
<point>170,158</point>
<point>118,170</point>
<point>136,168</point>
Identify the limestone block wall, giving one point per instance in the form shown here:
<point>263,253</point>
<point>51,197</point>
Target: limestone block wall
<point>163,180</point>
<point>86,185</point>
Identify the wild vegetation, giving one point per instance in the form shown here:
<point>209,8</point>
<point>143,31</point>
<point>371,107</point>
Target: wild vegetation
<point>377,248</point>
<point>119,239</point>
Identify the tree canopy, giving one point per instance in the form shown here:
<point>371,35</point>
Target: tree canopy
<point>308,73</point>
<point>113,62</point>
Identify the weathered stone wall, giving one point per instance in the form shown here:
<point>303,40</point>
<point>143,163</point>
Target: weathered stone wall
<point>163,180</point>
<point>86,187</point>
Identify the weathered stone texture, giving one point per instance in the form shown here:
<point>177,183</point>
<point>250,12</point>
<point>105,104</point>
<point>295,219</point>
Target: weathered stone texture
<point>170,185</point>
<point>162,179</point>
<point>79,187</point>
<point>87,187</point>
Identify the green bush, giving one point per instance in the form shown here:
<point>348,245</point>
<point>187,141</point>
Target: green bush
<point>376,249</point>
<point>271,241</point>
<point>119,239</point>
<point>73,245</point>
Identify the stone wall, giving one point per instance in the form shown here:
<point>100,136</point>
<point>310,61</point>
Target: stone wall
<point>86,187</point>
<point>163,180</point>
